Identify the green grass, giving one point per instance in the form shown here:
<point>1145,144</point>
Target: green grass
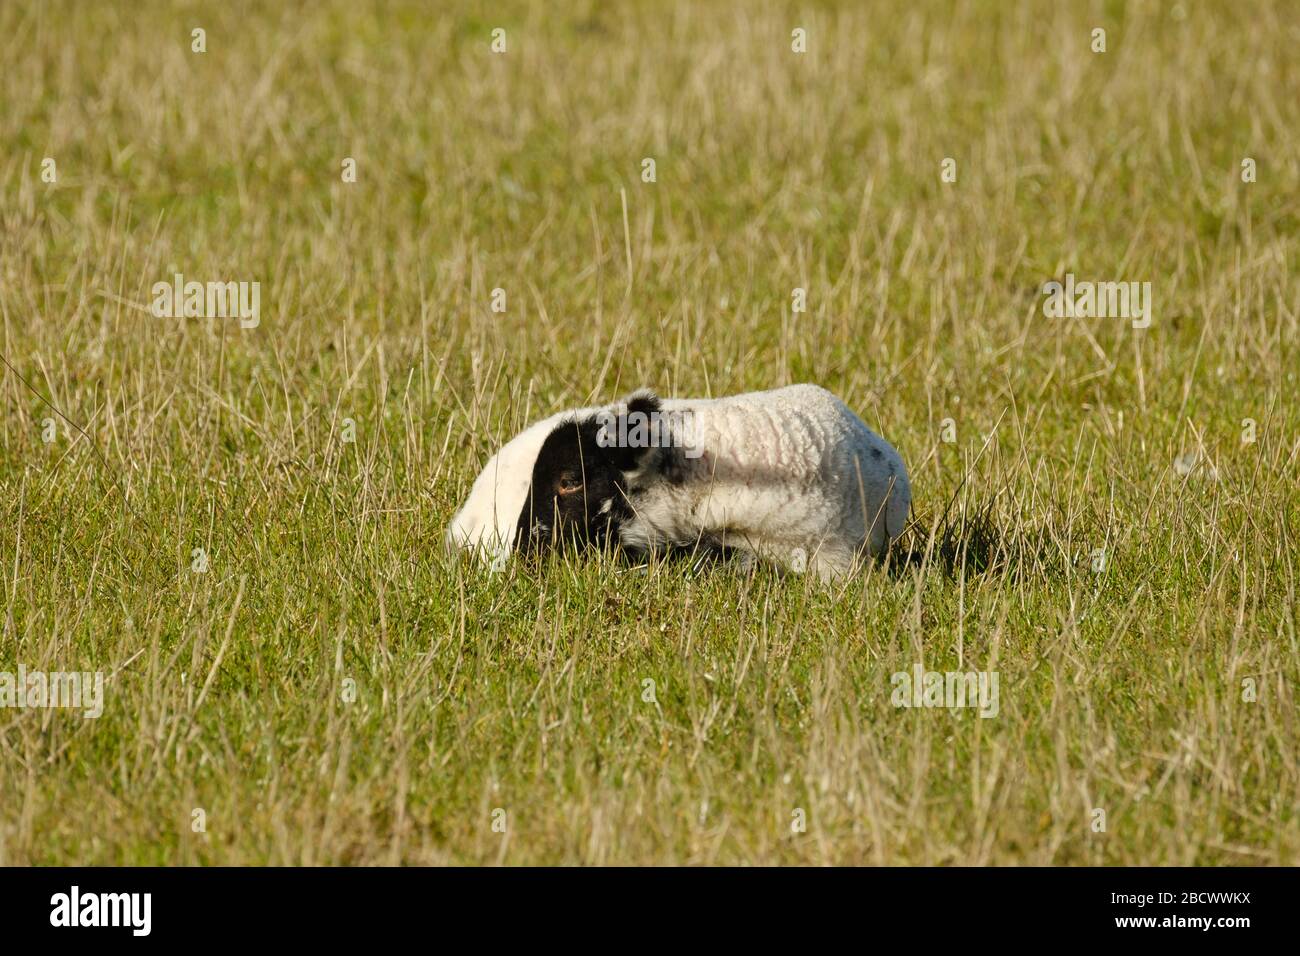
<point>1120,690</point>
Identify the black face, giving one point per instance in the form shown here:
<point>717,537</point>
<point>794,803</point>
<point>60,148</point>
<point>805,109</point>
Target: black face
<point>578,491</point>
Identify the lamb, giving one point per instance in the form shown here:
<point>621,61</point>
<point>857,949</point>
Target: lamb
<point>790,476</point>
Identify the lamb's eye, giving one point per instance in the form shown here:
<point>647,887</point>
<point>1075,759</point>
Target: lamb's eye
<point>568,484</point>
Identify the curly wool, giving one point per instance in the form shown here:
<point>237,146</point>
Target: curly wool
<point>790,475</point>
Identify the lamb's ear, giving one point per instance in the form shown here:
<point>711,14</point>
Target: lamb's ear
<point>644,401</point>
<point>634,434</point>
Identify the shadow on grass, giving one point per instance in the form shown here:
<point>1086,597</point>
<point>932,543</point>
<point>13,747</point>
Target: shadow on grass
<point>975,540</point>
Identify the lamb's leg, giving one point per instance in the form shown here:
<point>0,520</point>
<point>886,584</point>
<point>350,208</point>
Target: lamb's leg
<point>825,562</point>
<point>829,563</point>
<point>739,548</point>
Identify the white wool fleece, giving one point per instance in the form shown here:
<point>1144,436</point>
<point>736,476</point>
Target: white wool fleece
<point>790,475</point>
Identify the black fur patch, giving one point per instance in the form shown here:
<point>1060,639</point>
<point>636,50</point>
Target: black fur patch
<point>578,492</point>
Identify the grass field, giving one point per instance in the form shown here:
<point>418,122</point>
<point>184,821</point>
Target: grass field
<point>1101,532</point>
